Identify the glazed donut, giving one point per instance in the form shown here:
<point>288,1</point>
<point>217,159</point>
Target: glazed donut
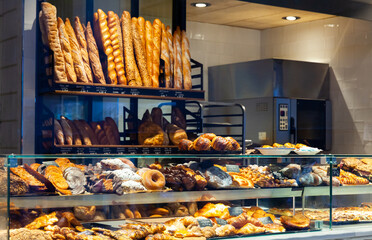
<point>185,145</point>
<point>153,180</point>
<point>150,133</point>
<point>202,144</point>
<point>235,145</point>
<point>210,136</point>
<point>128,162</point>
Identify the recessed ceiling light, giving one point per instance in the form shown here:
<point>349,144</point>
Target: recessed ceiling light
<point>200,4</point>
<point>291,18</point>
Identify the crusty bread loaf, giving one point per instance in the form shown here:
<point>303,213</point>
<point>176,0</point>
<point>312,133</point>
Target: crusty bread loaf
<point>115,130</point>
<point>49,15</point>
<point>139,81</point>
<point>114,37</point>
<point>89,131</point>
<point>140,55</point>
<point>83,133</point>
<point>80,36</point>
<point>66,49</point>
<point>142,32</point>
<point>109,132</point>
<point>100,133</point>
<point>75,133</point>
<point>186,64</point>
<point>157,116</point>
<point>130,62</point>
<point>94,56</point>
<point>67,131</point>
<point>110,69</point>
<point>149,46</point>
<point>76,55</point>
<point>171,54</point>
<point>176,134</point>
<point>165,56</point>
<point>58,132</point>
<point>177,51</point>
<point>48,58</point>
<point>120,38</point>
<point>156,52</point>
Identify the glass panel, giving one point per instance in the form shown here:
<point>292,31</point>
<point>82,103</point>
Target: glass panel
<point>117,6</point>
<point>152,9</point>
<point>3,199</point>
<point>70,9</point>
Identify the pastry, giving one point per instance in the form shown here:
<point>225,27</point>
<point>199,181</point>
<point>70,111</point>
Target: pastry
<point>177,53</point>
<point>153,180</point>
<point>221,144</point>
<point>250,229</point>
<point>113,23</point>
<point>218,178</point>
<point>126,175</point>
<point>23,233</point>
<point>85,213</point>
<point>181,211</point>
<point>76,180</point>
<point>149,46</point>
<point>43,221</point>
<point>202,144</point>
<point>49,24</point>
<point>156,52</point>
<point>76,54</point>
<point>114,164</point>
<point>185,145</point>
<point>176,134</point>
<point>140,55</point>
<point>80,36</point>
<point>66,50</point>
<point>27,177</point>
<point>235,145</point>
<point>58,132</point>
<point>93,54</point>
<point>213,210</point>
<point>159,211</point>
<point>165,56</point>
<point>296,222</point>
<point>171,54</point>
<point>225,230</point>
<point>210,136</point>
<point>192,207</point>
<point>186,64</point>
<point>67,131</point>
<point>150,133</point>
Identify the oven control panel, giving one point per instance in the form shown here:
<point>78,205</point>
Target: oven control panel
<point>283,117</point>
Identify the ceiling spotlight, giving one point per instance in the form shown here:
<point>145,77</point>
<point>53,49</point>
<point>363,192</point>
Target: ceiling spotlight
<point>200,4</point>
<point>291,18</point>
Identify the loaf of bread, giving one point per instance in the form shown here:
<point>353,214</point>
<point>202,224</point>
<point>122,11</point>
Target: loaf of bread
<point>75,133</point>
<point>76,55</point>
<point>176,134</point>
<point>178,118</point>
<point>114,37</point>
<point>89,131</point>
<point>157,116</point>
<point>142,31</point>
<point>171,54</point>
<point>177,51</point>
<point>80,36</point>
<point>94,56</point>
<point>66,49</point>
<point>100,133</point>
<point>165,56</point>
<point>156,52</point>
<point>149,46</point>
<point>83,133</point>
<point>140,55</point>
<point>67,131</point>
<point>115,130</point>
<point>186,64</point>
<point>120,38</point>
<point>48,58</point>
<point>49,23</point>
<point>58,132</point>
<point>100,19</point>
<point>109,132</point>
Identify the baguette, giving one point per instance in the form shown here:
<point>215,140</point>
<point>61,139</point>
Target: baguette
<point>114,37</point>
<point>49,16</point>
<point>76,55</point>
<point>149,46</point>
<point>177,51</point>
<point>171,54</point>
<point>58,132</point>
<point>94,56</point>
<point>120,37</point>
<point>75,133</point>
<point>48,58</point>
<point>105,42</point>
<point>140,55</point>
<point>67,131</point>
<point>186,64</point>
<point>139,81</point>
<point>142,31</point>
<point>156,52</point>
<point>66,49</point>
<point>130,62</point>
<point>84,134</point>
<point>79,32</point>
<point>165,56</point>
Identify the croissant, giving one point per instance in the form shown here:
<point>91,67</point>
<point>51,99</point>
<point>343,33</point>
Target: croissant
<point>298,221</point>
<point>225,230</point>
<point>185,145</point>
<point>202,144</point>
<point>210,136</point>
<point>221,144</point>
<point>249,228</point>
<point>235,145</point>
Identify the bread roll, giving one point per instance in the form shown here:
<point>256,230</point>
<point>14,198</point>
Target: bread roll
<point>49,16</point>
<point>171,54</point>
<point>177,51</point>
<point>75,133</point>
<point>79,32</point>
<point>115,39</point>
<point>67,131</point>
<point>100,20</point>
<point>165,56</point>
<point>156,52</point>
<point>58,132</point>
<point>149,46</point>
<point>140,55</point>
<point>76,55</point>
<point>186,64</point>
<point>94,56</point>
<point>66,49</point>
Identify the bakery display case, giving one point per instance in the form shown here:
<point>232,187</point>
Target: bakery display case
<point>182,195</point>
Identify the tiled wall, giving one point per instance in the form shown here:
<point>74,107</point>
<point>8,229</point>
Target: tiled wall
<point>346,44</point>
<point>213,45</point>
<point>10,75</point>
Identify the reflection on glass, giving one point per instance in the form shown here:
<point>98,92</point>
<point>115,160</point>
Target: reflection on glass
<point>3,200</point>
<point>152,9</point>
<point>117,6</point>
<point>70,9</point>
